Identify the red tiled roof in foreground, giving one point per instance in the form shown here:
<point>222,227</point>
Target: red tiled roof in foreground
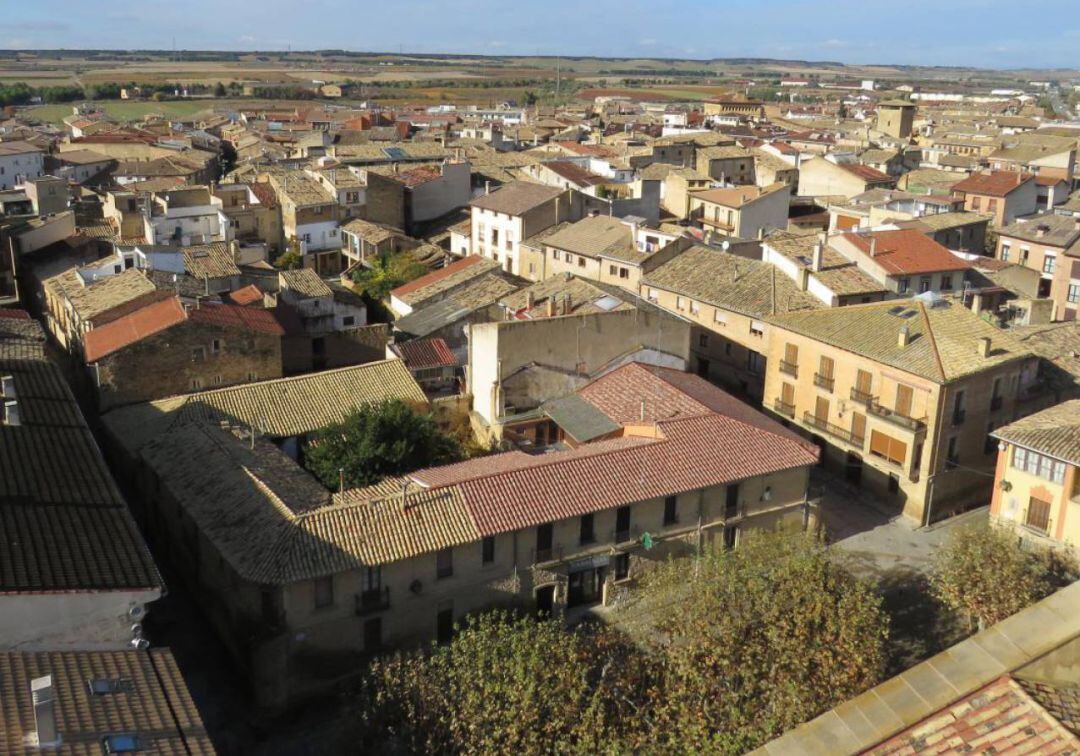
<point>992,183</point>
<point>907,252</point>
<point>998,718</point>
<point>124,331</point>
<point>14,314</point>
<point>694,436</point>
<point>437,275</point>
<point>426,353</point>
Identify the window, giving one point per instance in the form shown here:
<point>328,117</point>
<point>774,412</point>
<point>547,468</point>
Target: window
<point>348,320</point>
<point>1005,250</point>
<point>215,346</point>
<point>494,237</point>
<point>990,444</point>
<point>371,579</point>
<point>959,412</point>
<point>588,534</point>
<point>946,283</point>
<point>924,284</point>
<point>671,510</point>
<point>976,203</point>
<point>703,340</point>
<point>1039,465</point>
<point>487,550</point>
<point>581,262</point>
<point>952,455</point>
<point>613,269</point>
<point>1048,264</point>
<point>544,537</point>
<point>324,592</point>
<point>1073,294</point>
<point>624,273</point>
<point>555,254</point>
<point>622,524</point>
<point>719,317</point>
<point>757,328</point>
<point>695,308</point>
<point>654,295</point>
<point>887,448</point>
<point>680,304</point>
<point>755,363</point>
<point>622,566</point>
<point>444,563</point>
<point>903,285</point>
<point>198,354</point>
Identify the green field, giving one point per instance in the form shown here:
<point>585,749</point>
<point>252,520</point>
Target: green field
<point>124,110</point>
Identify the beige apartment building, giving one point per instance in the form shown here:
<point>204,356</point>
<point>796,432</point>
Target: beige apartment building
<point>743,212</point>
<point>901,396</point>
<point>1037,483</point>
<point>727,300</point>
<point>1048,244</point>
<point>1003,195</point>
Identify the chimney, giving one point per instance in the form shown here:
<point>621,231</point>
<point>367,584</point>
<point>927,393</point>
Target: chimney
<point>551,306</point>
<point>43,696</point>
<point>567,304</point>
<point>818,255</point>
<point>984,346</point>
<point>761,234</point>
<point>903,338</point>
<point>804,279</point>
<point>873,246</point>
<point>976,302</point>
<point>530,299</point>
<point>487,187</point>
<point>1040,231</point>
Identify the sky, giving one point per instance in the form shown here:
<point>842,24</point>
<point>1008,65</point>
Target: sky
<point>980,33</point>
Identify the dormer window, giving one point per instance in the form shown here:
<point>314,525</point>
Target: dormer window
<point>7,386</point>
<point>10,414</point>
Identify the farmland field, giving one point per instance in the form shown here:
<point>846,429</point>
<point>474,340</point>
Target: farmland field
<point>123,110</point>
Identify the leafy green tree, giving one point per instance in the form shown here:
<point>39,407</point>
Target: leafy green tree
<point>763,637</point>
<point>219,90</point>
<point>508,685</point>
<point>389,272</point>
<point>292,258</point>
<point>376,440</point>
<point>983,574</point>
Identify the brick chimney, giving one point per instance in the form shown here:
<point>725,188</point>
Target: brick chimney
<point>984,346</point>
<point>551,306</point>
<point>873,246</point>
<point>818,255</point>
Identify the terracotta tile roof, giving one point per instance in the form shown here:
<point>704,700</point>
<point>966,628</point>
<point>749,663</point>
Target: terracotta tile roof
<point>574,173</point>
<point>129,329</point>
<point>305,282</point>
<point>414,177</point>
<point>63,522</point>
<point>598,236</point>
<point>92,300</point>
<point>426,353</point>
<point>907,252</point>
<point>866,173</point>
<point>247,295</point>
<point>723,280</point>
<point>445,277</point>
<point>992,183</point>
<point>1054,431</point>
<point>213,260</point>
<point>1061,702</point>
<point>943,343</point>
<point>999,718</point>
<point>14,314</point>
<point>237,316</point>
<point>154,705</point>
<point>736,196</point>
<point>517,197</point>
<point>280,408</point>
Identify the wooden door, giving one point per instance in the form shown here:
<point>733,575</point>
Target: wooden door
<point>821,410</point>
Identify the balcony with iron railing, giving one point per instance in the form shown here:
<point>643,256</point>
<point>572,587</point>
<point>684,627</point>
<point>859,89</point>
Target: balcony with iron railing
<point>895,418</point>
<point>826,382</point>
<point>373,600</point>
<point>996,402</point>
<point>789,368</point>
<point>862,396</point>
<point>836,431</point>
<point>782,407</point>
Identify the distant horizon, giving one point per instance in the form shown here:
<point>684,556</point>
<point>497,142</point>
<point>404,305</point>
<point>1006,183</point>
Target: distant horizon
<point>405,53</point>
<point>983,34</point>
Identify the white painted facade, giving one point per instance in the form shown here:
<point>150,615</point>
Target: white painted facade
<point>18,166</point>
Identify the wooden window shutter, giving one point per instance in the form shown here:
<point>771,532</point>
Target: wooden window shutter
<point>827,366</point>
<point>904,395</point>
<point>863,381</point>
<point>858,425</point>
<point>791,354</point>
<point>821,410</point>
